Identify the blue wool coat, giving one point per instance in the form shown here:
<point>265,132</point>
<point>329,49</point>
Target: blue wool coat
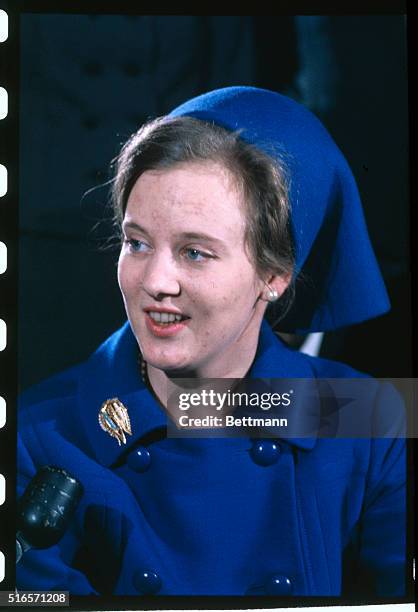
<point>215,516</point>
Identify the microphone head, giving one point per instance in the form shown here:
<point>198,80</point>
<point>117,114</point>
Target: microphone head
<point>47,505</point>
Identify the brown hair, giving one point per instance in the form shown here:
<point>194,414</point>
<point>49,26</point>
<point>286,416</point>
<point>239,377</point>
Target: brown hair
<point>164,142</point>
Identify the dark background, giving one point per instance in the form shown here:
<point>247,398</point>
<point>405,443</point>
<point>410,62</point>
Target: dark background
<point>89,81</point>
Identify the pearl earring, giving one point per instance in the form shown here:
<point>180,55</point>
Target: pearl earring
<point>272,295</point>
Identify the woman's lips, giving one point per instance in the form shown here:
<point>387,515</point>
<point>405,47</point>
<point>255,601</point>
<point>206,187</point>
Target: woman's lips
<point>165,330</point>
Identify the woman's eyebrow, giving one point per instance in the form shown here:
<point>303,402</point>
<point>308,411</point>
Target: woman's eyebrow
<point>181,235</point>
<point>134,226</point>
<point>201,236</point>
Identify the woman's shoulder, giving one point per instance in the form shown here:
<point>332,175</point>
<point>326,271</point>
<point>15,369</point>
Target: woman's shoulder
<point>314,366</point>
<point>48,414</point>
<point>60,385</point>
<point>328,368</point>
<point>65,383</point>
<point>381,399</point>
<point>58,402</point>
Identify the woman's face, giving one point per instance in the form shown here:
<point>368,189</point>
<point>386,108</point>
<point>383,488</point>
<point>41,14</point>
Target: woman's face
<point>191,293</point>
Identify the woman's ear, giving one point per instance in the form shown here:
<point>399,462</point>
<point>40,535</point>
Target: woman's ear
<point>275,287</point>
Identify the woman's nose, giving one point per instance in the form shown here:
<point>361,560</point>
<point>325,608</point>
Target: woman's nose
<point>161,276</point>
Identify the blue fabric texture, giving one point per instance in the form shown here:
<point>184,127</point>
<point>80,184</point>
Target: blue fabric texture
<point>332,247</point>
<point>320,517</point>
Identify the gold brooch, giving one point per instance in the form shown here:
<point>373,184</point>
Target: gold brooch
<point>114,418</point>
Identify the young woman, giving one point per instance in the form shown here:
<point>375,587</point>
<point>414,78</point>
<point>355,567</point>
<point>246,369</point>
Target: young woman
<point>237,202</point>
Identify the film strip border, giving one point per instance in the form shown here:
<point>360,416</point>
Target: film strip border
<point>9,80</point>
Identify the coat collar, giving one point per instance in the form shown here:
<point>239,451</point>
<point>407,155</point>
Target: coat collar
<point>113,371</point>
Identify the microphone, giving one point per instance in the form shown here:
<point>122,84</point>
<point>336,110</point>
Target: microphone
<point>45,509</point>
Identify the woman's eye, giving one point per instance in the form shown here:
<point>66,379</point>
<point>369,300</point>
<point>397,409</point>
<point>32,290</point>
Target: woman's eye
<point>196,254</point>
<point>136,246</point>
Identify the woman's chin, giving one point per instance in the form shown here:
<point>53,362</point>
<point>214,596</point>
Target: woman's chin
<point>175,365</point>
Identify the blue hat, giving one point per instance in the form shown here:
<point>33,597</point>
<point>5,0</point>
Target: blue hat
<point>338,281</point>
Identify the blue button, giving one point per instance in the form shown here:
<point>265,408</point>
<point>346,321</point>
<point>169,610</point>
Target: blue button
<point>140,459</point>
<point>265,452</point>
<point>278,585</point>
<point>147,583</point>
